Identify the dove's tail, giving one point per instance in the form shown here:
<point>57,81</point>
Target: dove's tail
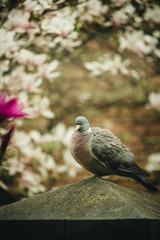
<point>144,181</point>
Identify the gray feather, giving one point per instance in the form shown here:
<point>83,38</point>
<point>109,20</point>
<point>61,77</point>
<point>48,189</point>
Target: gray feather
<point>108,149</point>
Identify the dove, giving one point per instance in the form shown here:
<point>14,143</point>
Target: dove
<point>102,153</point>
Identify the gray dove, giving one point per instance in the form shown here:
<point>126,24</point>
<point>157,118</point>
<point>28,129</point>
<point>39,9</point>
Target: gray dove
<point>102,153</point>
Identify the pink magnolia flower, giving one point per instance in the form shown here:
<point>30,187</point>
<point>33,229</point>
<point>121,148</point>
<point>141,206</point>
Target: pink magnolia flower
<point>10,109</point>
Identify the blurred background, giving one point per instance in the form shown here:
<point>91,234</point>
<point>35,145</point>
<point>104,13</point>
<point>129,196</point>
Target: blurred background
<point>62,59</point>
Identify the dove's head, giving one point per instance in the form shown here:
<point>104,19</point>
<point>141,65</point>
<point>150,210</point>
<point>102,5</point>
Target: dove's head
<point>82,124</point>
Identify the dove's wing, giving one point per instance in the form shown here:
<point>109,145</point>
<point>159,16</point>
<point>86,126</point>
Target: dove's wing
<point>110,151</point>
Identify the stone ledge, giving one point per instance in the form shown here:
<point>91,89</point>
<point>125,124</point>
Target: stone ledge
<point>89,199</point>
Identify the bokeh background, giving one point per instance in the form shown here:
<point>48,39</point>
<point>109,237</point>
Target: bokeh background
<point>95,58</point>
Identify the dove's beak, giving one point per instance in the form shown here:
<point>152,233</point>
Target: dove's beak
<point>78,127</point>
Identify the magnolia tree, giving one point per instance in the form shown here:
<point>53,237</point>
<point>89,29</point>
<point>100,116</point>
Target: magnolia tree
<point>33,35</point>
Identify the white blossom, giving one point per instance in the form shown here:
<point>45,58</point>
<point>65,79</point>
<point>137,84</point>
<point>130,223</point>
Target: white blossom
<point>35,135</point>
<point>50,164</point>
<point>7,42</point>
<point>63,134</point>
<point>41,107</point>
<point>152,13</point>
<point>18,21</point>
<point>37,6</point>
<point>20,139</point>
<point>119,2</point>
<point>24,99</point>
<point>70,162</point>
<point>108,63</point>
<point>122,16</point>
<point>135,74</point>
<point>84,96</point>
<point>32,182</point>
<point>157,52</point>
<point>156,34</point>
<point>153,162</point>
<point>96,68</point>
<point>154,100</point>
<point>67,43</point>
<point>22,81</point>
<point>92,11</point>
<point>62,168</point>
<point>39,138</point>
<point>59,26</point>
<point>27,57</point>
<point>4,67</point>
<point>47,70</point>
<point>14,166</point>
<point>138,42</point>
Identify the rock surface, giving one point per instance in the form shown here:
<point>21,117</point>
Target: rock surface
<point>92,198</point>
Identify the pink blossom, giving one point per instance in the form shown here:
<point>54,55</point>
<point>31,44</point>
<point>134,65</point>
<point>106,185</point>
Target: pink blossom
<point>10,109</point>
